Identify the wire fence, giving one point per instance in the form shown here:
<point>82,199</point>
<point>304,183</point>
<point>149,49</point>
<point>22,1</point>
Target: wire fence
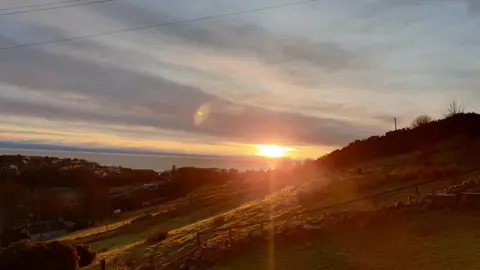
<point>229,230</point>
<point>185,249</point>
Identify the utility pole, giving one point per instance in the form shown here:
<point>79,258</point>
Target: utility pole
<point>395,120</point>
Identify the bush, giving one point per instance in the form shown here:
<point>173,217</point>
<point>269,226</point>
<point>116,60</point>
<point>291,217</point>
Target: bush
<point>55,255</point>
<point>440,171</point>
<point>421,120</point>
<point>156,237</point>
<point>87,256</point>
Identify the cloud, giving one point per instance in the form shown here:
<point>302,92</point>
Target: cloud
<point>472,6</point>
<point>55,85</point>
<point>241,38</point>
<point>75,86</point>
<point>243,124</point>
<point>156,79</point>
<point>283,51</point>
<point>310,60</point>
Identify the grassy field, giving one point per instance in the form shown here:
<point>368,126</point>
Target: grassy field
<point>125,218</point>
<point>129,239</point>
<point>433,240</point>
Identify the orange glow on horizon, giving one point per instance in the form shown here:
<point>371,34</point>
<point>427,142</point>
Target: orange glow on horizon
<point>273,151</point>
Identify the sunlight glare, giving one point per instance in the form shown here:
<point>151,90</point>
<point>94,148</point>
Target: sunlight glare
<point>273,151</point>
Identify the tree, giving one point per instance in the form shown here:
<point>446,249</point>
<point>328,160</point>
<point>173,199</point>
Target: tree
<point>454,108</point>
<point>10,196</point>
<point>421,120</point>
<point>94,200</point>
<point>48,204</point>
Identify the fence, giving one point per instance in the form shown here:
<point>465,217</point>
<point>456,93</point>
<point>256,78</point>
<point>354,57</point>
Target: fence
<point>262,223</point>
<point>229,230</point>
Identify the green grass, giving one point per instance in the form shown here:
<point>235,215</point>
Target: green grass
<point>252,211</point>
<point>129,242</point>
<point>126,237</point>
<point>435,240</point>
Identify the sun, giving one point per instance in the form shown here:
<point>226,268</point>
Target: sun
<point>273,151</point>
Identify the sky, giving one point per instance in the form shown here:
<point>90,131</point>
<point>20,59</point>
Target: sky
<point>313,76</point>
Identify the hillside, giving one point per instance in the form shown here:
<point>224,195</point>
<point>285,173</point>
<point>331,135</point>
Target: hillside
<point>83,191</point>
<point>407,140</point>
<point>311,192</point>
<point>435,240</point>
<point>416,156</point>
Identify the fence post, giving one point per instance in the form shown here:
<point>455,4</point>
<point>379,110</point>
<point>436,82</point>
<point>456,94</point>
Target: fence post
<point>103,265</point>
<point>198,240</point>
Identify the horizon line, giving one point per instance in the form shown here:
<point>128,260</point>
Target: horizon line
<point>34,146</point>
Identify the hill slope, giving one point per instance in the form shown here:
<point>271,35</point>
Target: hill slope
<point>422,138</point>
<point>443,152</point>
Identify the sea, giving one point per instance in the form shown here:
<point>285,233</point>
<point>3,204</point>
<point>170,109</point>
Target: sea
<point>155,162</point>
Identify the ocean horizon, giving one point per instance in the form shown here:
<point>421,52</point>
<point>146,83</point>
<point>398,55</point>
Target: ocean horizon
<point>158,161</point>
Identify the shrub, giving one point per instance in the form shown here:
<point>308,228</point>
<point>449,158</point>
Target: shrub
<point>87,256</point>
<point>156,237</point>
<point>440,171</point>
<point>42,255</point>
<point>421,120</point>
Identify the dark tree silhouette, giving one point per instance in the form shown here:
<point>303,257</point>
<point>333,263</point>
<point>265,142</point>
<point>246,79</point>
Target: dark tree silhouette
<point>48,204</point>
<point>455,108</point>
<point>421,120</point>
<point>95,200</point>
<point>10,196</point>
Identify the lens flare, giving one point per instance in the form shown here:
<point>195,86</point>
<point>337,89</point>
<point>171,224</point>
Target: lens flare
<point>273,151</point>
<point>201,114</point>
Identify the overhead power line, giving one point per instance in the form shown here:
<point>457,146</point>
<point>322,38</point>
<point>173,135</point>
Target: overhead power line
<point>158,25</point>
<point>50,8</point>
<point>40,5</point>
